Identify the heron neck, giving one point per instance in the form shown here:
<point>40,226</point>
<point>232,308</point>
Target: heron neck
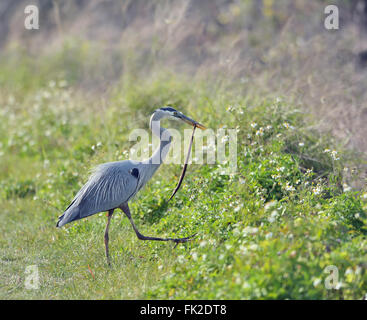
<point>165,139</point>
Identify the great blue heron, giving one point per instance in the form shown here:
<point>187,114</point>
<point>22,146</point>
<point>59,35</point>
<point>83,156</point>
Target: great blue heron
<point>113,184</point>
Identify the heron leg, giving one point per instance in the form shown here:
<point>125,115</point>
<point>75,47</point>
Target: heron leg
<point>126,210</point>
<point>106,238</point>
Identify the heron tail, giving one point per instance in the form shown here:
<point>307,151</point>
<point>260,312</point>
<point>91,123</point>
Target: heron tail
<point>71,213</point>
<point>58,224</point>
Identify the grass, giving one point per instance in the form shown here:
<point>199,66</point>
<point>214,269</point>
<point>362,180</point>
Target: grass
<point>269,231</point>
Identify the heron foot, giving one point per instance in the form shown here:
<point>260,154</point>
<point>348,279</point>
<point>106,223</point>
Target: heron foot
<point>182,240</point>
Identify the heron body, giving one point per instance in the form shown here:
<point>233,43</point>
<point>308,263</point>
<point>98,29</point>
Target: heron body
<point>113,184</point>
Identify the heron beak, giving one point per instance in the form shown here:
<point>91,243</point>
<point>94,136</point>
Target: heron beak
<point>191,121</point>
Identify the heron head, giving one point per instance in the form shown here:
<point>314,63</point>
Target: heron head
<point>177,115</point>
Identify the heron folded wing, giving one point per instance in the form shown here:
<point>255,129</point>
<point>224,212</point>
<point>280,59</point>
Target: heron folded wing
<point>109,186</point>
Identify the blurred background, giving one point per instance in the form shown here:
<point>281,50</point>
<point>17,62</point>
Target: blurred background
<point>267,47</point>
<point>72,92</point>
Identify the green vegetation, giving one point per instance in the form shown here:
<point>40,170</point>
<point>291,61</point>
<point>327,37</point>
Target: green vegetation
<point>265,232</point>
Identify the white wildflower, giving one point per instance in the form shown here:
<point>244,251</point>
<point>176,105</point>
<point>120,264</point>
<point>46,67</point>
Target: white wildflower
<point>334,155</point>
<point>317,190</point>
<point>289,187</point>
<point>250,230</point>
<point>270,205</point>
<point>269,235</point>
<point>260,132</point>
<point>346,188</point>
<point>230,109</point>
<point>273,216</point>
